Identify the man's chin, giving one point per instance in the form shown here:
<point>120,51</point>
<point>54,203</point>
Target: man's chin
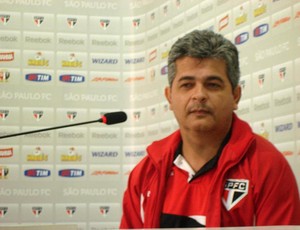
<point>203,126</point>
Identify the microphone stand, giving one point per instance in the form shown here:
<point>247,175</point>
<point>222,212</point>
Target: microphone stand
<point>51,128</point>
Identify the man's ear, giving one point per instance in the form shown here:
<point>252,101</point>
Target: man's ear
<point>168,96</point>
<point>237,94</point>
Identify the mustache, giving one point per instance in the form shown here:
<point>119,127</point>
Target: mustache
<point>199,107</point>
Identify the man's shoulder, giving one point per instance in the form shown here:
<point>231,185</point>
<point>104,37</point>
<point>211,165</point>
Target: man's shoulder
<point>267,155</point>
<point>159,153</point>
<point>166,145</point>
<point>265,146</point>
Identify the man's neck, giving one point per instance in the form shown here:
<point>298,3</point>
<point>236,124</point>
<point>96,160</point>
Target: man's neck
<point>199,148</point>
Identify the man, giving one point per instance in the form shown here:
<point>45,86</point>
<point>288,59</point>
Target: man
<point>213,171</point>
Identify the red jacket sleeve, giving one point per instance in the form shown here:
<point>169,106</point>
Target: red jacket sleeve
<point>131,217</point>
<point>276,192</point>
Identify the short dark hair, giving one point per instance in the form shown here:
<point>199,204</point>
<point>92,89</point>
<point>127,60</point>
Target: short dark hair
<point>205,44</point>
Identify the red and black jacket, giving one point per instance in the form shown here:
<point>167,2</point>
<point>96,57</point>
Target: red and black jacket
<point>272,197</point>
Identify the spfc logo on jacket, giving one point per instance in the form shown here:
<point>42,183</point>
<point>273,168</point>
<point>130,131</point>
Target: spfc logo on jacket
<point>234,191</point>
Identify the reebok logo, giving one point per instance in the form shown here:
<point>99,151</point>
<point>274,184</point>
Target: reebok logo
<point>234,191</point>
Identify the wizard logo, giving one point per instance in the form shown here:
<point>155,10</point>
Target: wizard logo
<point>234,191</point>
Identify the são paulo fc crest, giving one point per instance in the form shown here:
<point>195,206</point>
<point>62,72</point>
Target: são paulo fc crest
<point>234,191</point>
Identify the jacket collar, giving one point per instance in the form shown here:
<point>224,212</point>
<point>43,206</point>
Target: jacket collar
<point>241,137</point>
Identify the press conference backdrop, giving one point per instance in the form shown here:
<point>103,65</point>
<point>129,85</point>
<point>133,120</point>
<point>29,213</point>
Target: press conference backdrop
<point>63,62</point>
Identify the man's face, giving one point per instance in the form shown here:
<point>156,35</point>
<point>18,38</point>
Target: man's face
<point>201,95</point>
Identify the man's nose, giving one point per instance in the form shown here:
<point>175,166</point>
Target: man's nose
<point>200,93</point>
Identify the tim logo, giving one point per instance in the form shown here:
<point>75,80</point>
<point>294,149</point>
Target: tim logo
<point>37,173</point>
<point>104,210</point>
<point>261,30</point>
<point>71,173</point>
<point>71,78</point>
<point>241,38</point>
<point>164,70</point>
<point>234,191</point>
<point>38,77</point>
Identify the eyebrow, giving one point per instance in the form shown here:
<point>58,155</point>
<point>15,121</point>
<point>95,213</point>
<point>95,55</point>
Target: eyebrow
<point>185,78</point>
<point>208,78</point>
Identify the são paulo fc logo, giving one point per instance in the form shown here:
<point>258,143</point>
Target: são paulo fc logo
<point>234,191</point>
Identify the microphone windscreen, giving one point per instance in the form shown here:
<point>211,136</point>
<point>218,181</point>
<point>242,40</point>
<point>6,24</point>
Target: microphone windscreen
<point>114,118</point>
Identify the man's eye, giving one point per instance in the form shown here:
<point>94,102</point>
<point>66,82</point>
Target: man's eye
<point>186,85</point>
<point>214,85</point>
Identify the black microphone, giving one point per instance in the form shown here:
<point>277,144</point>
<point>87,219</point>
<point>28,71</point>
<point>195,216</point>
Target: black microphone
<point>113,118</point>
<point>108,118</point>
